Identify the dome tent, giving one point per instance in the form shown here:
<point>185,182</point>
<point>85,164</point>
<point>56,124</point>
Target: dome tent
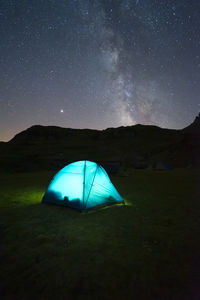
<point>82,185</point>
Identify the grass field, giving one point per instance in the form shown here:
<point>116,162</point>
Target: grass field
<point>148,249</point>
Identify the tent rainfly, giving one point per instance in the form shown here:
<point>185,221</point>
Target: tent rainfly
<point>82,185</point>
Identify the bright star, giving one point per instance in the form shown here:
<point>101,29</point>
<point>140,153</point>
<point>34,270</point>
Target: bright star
<point>61,111</point>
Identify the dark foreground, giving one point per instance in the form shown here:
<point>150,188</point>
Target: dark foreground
<point>148,249</point>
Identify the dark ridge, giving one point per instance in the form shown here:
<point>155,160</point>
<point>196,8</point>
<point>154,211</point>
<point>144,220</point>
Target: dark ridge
<point>194,127</point>
<point>140,146</point>
<point>37,133</point>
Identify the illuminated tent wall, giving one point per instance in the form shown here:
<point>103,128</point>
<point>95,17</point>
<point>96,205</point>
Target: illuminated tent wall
<point>82,185</point>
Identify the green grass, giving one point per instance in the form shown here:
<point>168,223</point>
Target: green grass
<point>148,249</point>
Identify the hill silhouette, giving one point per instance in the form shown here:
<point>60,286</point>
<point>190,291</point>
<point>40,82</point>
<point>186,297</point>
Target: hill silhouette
<point>139,146</point>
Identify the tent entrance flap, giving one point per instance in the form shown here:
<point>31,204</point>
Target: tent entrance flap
<point>92,184</point>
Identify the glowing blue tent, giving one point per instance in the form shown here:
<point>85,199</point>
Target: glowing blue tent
<point>82,185</point>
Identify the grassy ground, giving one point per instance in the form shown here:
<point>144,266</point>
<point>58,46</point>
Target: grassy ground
<point>148,249</point>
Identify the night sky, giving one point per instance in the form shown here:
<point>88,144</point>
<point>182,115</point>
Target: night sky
<point>98,63</point>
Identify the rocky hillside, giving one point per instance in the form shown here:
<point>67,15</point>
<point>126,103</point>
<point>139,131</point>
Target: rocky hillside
<point>139,146</point>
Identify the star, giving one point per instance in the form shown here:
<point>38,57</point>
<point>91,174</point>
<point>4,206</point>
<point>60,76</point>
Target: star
<point>110,63</point>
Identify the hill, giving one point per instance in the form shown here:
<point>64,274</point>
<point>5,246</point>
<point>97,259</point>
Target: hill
<point>139,146</point>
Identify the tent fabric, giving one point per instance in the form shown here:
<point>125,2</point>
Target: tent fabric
<point>82,185</point>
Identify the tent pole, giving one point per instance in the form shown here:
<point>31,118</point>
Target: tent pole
<point>84,185</point>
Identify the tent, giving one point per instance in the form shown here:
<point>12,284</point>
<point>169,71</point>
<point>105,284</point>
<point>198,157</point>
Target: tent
<point>82,185</point>
<point>162,166</point>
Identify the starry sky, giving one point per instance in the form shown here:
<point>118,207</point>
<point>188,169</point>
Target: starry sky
<point>98,63</point>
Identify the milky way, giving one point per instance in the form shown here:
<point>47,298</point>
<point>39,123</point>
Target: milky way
<point>98,64</point>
